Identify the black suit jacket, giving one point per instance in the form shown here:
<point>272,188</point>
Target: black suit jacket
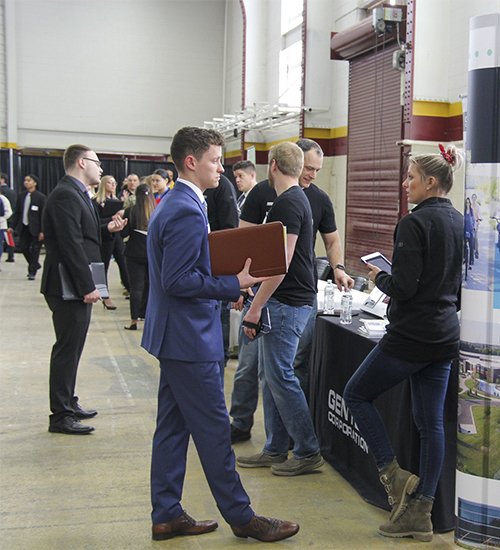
<point>221,205</point>
<point>35,213</point>
<point>72,236</point>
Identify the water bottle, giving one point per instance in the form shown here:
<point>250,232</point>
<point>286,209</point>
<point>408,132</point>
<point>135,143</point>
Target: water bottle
<point>328,305</point>
<point>346,308</point>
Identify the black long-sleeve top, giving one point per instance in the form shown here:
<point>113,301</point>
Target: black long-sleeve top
<point>135,247</point>
<point>424,287</point>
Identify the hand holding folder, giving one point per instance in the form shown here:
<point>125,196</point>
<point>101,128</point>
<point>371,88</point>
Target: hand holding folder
<point>264,244</point>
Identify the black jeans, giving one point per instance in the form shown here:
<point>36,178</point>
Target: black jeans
<point>30,247</point>
<point>115,248</point>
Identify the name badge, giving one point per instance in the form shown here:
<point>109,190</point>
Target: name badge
<point>34,207</point>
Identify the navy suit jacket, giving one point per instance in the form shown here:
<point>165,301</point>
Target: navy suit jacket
<point>183,314</point>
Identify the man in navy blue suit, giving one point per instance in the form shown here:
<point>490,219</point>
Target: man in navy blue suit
<point>183,330</point>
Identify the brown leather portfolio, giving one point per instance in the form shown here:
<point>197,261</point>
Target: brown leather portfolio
<point>265,244</point>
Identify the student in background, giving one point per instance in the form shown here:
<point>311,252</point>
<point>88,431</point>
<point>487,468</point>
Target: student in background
<point>111,243</point>
<point>159,183</point>
<point>12,198</point>
<point>28,223</point>
<point>5,214</point>
<point>136,230</point>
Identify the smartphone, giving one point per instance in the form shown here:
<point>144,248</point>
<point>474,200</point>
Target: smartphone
<point>378,260</point>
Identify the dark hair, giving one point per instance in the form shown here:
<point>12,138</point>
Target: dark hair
<point>144,206</point>
<point>4,177</point>
<point>193,141</point>
<point>309,145</point>
<point>36,179</point>
<point>161,172</point>
<point>72,154</point>
<point>245,165</point>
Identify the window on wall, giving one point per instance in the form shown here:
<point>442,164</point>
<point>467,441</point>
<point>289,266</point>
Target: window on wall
<point>291,53</point>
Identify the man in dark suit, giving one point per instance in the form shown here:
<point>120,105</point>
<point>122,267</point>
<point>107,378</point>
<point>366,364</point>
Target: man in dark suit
<point>28,223</point>
<point>72,238</point>
<point>12,198</point>
<point>183,330</point>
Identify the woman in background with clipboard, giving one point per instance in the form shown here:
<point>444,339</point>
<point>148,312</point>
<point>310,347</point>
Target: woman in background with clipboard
<point>108,205</point>
<point>422,339</point>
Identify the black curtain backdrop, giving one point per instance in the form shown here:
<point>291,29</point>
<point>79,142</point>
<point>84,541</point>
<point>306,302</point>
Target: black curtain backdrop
<point>146,167</point>
<point>4,161</point>
<point>49,171</point>
<point>115,168</point>
<point>49,168</point>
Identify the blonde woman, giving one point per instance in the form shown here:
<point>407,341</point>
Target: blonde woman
<point>422,339</point>
<point>108,205</point>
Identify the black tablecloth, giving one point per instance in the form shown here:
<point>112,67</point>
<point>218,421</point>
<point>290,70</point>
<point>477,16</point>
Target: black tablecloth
<point>337,351</point>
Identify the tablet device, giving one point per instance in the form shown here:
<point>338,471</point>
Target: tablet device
<point>378,260</point>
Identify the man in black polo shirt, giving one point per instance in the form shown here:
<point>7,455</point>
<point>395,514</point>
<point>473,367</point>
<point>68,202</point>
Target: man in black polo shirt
<point>254,211</point>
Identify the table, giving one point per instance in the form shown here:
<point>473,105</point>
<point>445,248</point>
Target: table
<point>337,351</point>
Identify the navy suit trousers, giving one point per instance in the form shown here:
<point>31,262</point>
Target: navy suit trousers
<point>191,402</point>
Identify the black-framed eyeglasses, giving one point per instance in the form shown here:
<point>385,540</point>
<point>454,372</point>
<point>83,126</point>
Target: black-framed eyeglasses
<point>98,162</point>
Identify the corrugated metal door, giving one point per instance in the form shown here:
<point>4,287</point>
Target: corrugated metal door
<point>374,158</point>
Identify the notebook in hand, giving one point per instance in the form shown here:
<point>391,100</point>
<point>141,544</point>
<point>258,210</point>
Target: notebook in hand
<point>98,275</point>
<point>111,207</point>
<point>265,244</point>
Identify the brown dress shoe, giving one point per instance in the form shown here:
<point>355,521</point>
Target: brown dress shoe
<point>266,529</point>
<point>184,525</point>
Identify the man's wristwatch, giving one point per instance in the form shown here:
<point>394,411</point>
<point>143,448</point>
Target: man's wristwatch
<point>340,266</point>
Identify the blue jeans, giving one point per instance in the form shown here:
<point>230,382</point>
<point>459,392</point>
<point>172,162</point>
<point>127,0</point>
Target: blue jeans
<point>245,394</point>
<point>303,355</point>
<point>428,382</point>
<point>286,413</point>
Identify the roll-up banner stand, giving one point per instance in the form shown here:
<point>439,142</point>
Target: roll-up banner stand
<point>477,503</point>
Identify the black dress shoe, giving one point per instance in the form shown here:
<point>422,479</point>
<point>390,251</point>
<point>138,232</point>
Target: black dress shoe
<point>237,435</point>
<point>82,413</point>
<point>266,529</point>
<point>184,525</point>
<point>71,426</point>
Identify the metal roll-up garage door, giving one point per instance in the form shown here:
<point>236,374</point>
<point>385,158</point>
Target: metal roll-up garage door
<point>374,158</point>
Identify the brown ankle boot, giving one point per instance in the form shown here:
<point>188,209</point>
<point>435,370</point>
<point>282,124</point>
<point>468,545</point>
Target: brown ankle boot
<point>399,485</point>
<point>414,521</point>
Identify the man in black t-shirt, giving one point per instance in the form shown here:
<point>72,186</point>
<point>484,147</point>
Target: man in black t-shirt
<point>262,196</point>
<point>255,209</point>
<point>289,299</point>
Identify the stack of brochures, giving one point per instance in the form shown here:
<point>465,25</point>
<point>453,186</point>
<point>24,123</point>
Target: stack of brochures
<point>374,328</point>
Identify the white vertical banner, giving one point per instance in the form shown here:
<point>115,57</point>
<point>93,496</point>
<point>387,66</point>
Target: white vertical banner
<point>478,438</point>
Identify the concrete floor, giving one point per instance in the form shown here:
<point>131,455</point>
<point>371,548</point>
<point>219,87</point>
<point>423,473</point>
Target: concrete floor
<point>63,492</point>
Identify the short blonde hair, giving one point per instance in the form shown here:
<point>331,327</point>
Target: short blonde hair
<point>289,158</point>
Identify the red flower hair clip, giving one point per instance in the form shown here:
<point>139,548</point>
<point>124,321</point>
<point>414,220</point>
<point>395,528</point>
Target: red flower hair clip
<point>448,157</point>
